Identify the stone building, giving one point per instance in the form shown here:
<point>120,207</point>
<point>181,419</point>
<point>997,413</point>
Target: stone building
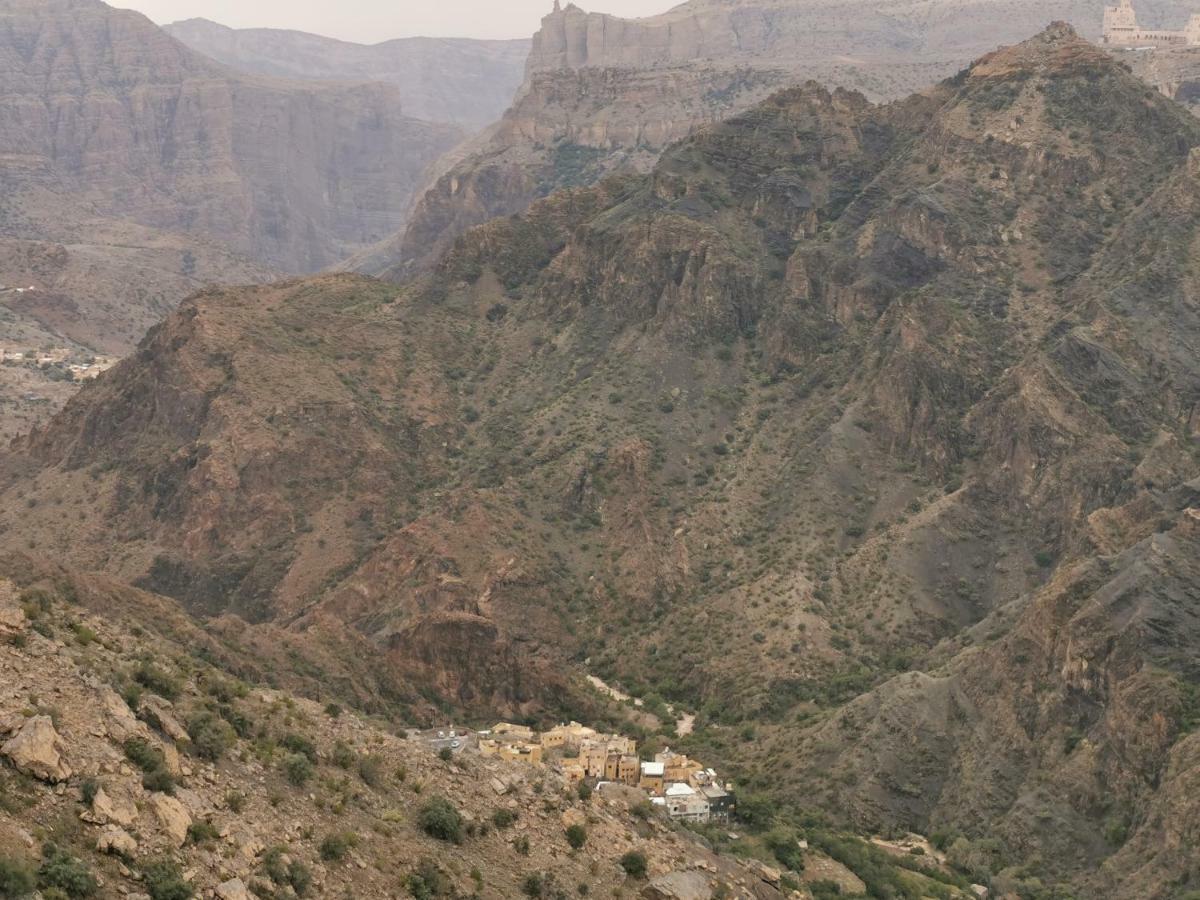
<point>1121,29</point>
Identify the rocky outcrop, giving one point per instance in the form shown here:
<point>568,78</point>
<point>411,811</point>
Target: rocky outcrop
<point>464,82</point>
<point>117,842</point>
<point>604,94</point>
<point>172,817</point>
<point>36,749</point>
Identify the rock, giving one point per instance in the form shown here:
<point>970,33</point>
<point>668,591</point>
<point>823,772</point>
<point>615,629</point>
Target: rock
<point>234,889</point>
<point>113,808</point>
<point>573,817</point>
<point>37,750</point>
<point>172,816</point>
<point>678,886</point>
<point>116,840</point>
<point>161,713</point>
<point>766,873</point>
<point>119,719</point>
<point>12,620</point>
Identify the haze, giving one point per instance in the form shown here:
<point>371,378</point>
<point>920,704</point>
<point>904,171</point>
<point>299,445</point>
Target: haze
<point>371,21</point>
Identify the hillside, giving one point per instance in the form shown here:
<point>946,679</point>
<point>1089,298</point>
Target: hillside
<point>468,83</point>
<point>135,171</point>
<point>138,762</point>
<point>865,431</point>
<point>604,94</point>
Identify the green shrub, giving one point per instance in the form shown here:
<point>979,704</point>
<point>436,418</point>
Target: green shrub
<point>427,881</point>
<point>88,790</point>
<point>521,845</point>
<point>343,755</point>
<point>439,819</point>
<point>332,710</point>
<point>445,754</point>
<point>298,743</point>
<point>152,678</point>
<point>298,769</point>
<point>534,884</point>
<point>584,791</point>
<point>61,871</point>
<point>576,836</point>
<point>503,817</point>
<point>211,735</point>
<point>163,881</point>
<point>16,878</point>
<point>202,831</point>
<point>294,873</point>
<point>370,770</point>
<point>634,864</point>
<point>152,762</point>
<point>335,846</point>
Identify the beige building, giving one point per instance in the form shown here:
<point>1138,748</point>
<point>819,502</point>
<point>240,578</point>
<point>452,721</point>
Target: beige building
<point>595,753</point>
<point>509,732</point>
<point>677,766</point>
<point>570,736</point>
<point>515,751</point>
<point>1121,29</point>
<point>652,778</point>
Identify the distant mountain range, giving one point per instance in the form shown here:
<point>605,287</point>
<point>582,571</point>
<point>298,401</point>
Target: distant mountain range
<point>604,94</point>
<point>465,82</point>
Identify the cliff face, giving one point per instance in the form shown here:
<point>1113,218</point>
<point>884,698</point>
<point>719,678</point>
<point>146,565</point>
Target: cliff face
<point>138,127</point>
<point>464,82</point>
<point>868,430</point>
<point>678,72</point>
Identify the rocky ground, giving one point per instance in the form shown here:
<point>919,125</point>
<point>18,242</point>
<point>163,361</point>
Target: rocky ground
<point>160,774</point>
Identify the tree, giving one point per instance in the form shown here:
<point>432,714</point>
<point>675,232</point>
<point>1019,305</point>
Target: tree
<point>576,836</point>
<point>634,864</point>
<point>16,878</point>
<point>439,819</point>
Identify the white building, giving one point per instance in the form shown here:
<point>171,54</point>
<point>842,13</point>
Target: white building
<point>684,802</point>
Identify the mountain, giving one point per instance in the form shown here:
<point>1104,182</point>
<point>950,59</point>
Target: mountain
<point>149,764</point>
<point>468,83</point>
<point>135,171</point>
<point>867,432</point>
<point>604,94</point>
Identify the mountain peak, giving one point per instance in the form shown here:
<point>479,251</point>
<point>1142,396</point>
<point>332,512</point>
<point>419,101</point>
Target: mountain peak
<point>1058,48</point>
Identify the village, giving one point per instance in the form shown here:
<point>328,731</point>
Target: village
<point>683,788</point>
<point>72,365</point>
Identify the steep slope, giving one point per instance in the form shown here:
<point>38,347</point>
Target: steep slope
<point>468,83</point>
<point>855,428</point>
<point>605,94</point>
<point>146,130</point>
<point>246,789</point>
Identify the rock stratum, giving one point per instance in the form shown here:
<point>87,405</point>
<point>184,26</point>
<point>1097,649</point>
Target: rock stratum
<point>134,171</point>
<point>468,83</point>
<point>604,94</point>
<point>866,431</point>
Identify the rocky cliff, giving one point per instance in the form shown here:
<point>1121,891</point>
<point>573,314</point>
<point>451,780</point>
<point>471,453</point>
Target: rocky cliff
<point>467,83</point>
<point>865,431</point>
<point>681,70</point>
<point>141,758</point>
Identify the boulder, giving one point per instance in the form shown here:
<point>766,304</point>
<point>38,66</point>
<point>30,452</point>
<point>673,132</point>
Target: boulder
<point>119,720</point>
<point>12,620</point>
<point>37,750</point>
<point>114,808</point>
<point>234,889</point>
<point>679,886</point>
<point>161,714</point>
<point>116,840</point>
<point>172,816</point>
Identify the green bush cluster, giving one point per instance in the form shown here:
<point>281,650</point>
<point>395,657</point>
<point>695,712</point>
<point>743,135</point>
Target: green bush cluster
<point>439,819</point>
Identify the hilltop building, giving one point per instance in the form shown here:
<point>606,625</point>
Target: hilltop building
<point>1121,29</point>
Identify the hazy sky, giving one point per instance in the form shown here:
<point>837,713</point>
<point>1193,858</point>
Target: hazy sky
<point>370,21</point>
